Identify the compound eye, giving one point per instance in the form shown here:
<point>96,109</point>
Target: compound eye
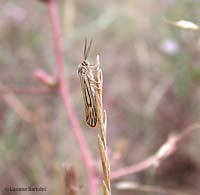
<point>81,70</point>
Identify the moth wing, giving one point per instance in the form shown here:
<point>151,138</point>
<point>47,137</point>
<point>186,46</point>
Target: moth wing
<point>88,96</point>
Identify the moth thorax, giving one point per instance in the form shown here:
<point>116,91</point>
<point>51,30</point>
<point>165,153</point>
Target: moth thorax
<point>84,63</point>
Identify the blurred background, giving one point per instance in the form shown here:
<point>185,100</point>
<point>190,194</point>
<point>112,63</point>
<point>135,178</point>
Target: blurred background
<point>151,89</point>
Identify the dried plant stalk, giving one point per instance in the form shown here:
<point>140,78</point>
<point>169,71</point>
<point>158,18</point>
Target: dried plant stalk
<point>71,185</point>
<point>102,121</point>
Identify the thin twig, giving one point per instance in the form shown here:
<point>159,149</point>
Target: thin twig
<point>18,107</point>
<point>64,93</point>
<point>126,185</point>
<point>24,90</point>
<point>168,148</point>
<point>40,128</point>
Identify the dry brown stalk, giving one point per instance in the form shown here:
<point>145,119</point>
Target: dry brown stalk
<point>167,149</point>
<point>16,105</point>
<point>70,176</point>
<point>37,119</point>
<point>126,185</point>
<point>102,121</point>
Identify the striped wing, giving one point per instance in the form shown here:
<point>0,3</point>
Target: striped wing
<point>90,107</point>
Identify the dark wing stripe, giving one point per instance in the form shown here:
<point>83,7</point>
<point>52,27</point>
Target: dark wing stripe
<point>90,111</point>
<point>90,103</point>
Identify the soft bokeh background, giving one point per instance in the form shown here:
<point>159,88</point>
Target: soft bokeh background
<point>151,89</point>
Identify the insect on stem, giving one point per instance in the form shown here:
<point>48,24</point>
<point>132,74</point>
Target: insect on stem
<point>87,87</point>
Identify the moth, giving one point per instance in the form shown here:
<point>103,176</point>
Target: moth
<point>87,87</point>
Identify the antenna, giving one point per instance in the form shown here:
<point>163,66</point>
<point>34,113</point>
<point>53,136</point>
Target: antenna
<point>87,48</point>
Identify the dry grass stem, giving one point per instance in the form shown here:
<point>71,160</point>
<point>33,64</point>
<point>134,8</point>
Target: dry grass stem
<point>102,121</point>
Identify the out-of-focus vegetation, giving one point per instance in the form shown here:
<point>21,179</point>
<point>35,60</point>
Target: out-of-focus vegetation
<point>151,89</point>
